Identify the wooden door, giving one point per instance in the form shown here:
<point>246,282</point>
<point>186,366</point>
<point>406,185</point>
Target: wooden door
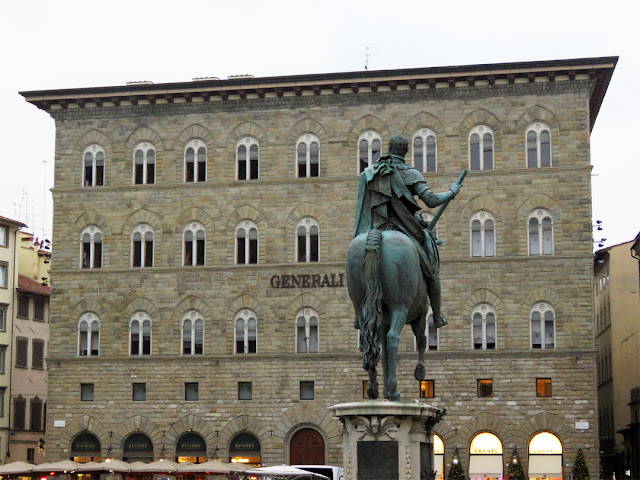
<point>307,448</point>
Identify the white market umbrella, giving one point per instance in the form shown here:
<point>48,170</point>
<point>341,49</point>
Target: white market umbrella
<point>89,467</point>
<point>110,466</point>
<point>15,468</point>
<point>284,471</point>
<point>160,466</point>
<point>62,466</point>
<point>212,466</point>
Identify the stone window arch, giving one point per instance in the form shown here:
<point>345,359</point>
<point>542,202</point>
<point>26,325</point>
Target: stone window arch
<point>481,148</point>
<point>538,145</point>
<point>424,146</point>
<point>140,334</point>
<point>307,331</point>
<point>540,232</point>
<point>308,240</point>
<point>247,159</point>
<point>193,251</point>
<point>88,335</point>
<point>246,242</point>
<point>484,327</point>
<point>543,326</point>
<point>483,235</point>
<point>142,246</point>
<point>246,332</point>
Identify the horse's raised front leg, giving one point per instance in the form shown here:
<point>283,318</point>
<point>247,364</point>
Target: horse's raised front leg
<point>398,320</point>
<point>419,327</point>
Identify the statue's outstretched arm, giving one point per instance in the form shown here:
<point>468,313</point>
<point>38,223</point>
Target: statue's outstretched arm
<point>431,199</point>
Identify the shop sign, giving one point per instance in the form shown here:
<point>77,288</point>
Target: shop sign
<point>85,442</point>
<point>191,442</point>
<point>308,281</point>
<point>245,442</point>
<point>138,442</point>
<point>582,425</point>
<point>486,451</point>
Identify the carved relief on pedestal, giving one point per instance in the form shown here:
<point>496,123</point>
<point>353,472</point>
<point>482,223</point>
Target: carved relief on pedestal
<point>376,427</point>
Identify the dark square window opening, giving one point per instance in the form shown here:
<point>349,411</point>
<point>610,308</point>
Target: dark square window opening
<point>245,390</point>
<point>139,392</point>
<point>485,388</point>
<point>307,390</point>
<point>427,389</point>
<point>543,387</point>
<point>365,386</point>
<point>191,392</point>
<point>86,392</point>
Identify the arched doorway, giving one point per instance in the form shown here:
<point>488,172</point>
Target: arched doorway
<point>545,456</point>
<point>485,457</point>
<point>191,447</point>
<point>85,447</point>
<point>137,447</point>
<point>438,457</point>
<point>306,448</point>
<point>245,448</point>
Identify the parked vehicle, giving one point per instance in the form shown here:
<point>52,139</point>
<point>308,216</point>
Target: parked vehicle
<point>332,473</point>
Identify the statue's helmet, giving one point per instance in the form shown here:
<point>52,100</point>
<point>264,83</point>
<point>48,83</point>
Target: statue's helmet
<point>398,145</point>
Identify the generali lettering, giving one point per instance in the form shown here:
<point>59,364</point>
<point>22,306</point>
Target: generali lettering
<point>308,281</point>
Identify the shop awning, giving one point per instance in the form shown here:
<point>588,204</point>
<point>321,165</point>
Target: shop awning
<point>438,463</point>
<point>485,466</point>
<point>545,466</point>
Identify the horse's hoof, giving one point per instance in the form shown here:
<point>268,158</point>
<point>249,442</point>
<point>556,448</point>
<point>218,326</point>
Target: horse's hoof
<point>394,397</point>
<point>372,390</point>
<point>439,322</point>
<point>420,372</point>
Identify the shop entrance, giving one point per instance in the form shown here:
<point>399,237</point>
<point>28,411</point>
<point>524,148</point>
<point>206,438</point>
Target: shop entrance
<point>438,457</point>
<point>191,447</point>
<point>85,448</point>
<point>245,448</point>
<point>306,448</point>
<point>137,447</point>
<point>485,457</point>
<point>545,457</point>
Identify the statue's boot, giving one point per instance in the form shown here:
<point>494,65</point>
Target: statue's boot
<point>439,322</point>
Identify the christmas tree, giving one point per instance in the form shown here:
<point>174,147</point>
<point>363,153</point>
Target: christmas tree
<point>455,472</point>
<point>515,471</point>
<point>580,470</point>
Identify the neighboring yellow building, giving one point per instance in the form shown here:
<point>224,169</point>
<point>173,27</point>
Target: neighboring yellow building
<point>617,313</point>
<point>30,337</point>
<point>8,283</point>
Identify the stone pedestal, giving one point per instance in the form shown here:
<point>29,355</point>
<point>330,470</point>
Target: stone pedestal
<point>385,440</point>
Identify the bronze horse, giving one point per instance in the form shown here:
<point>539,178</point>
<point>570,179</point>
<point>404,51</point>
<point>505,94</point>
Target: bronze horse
<point>385,303</point>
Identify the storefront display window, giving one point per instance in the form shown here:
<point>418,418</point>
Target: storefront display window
<point>485,457</point>
<point>545,457</point>
<point>245,448</point>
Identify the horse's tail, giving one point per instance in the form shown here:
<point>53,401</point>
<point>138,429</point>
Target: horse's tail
<point>371,312</point>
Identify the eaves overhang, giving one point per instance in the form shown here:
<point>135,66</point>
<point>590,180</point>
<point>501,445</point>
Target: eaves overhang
<point>599,69</point>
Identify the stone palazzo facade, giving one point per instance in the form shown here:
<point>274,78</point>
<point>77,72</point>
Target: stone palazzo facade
<point>200,234</point>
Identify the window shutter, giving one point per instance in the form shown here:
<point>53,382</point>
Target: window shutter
<point>21,352</point>
<point>36,414</point>
<point>19,413</point>
<point>38,354</point>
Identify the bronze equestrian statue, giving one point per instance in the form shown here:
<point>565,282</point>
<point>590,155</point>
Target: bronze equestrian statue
<point>393,264</point>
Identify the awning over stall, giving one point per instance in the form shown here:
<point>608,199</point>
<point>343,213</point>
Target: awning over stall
<point>549,466</point>
<point>485,466</point>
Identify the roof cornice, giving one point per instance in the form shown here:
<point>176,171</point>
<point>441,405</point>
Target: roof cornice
<point>598,69</point>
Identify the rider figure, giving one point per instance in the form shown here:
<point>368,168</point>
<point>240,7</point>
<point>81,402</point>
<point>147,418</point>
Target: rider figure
<point>386,202</point>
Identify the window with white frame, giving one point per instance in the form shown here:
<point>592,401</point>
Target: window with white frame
<point>88,335</point>
<point>91,252</point>
<point>483,327</point>
<point>4,269</point>
<point>246,332</point>
<point>140,334</point>
<point>142,246</point>
<point>93,158</point>
<point>543,326</point>
<point>193,333</point>
<point>481,148</point>
<point>3,354</point>
<point>483,238</point>
<point>430,332</point>
<point>369,149</point>
<point>193,245</point>
<point>538,137</point>
<point>307,335</point>
<point>307,240</point>
<point>425,150</point>
<point>4,308</point>
<point>308,156</point>
<point>246,243</point>
<point>144,164</point>
<point>195,161</point>
<point>540,226</point>
<point>247,158</point>
<point>4,236</point>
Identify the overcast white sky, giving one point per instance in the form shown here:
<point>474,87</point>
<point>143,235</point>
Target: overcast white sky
<point>48,44</point>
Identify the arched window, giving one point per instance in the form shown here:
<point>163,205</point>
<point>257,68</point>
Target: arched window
<point>307,334</point>
<point>483,327</point>
<point>485,456</point>
<point>88,335</point>
<point>247,158</point>
<point>140,334</point>
<point>142,246</point>
<point>194,242</point>
<point>481,148</point>
<point>431,332</point>
<point>247,243</point>
<point>93,166</point>
<point>369,149</point>
<point>425,150</point>
<point>144,163</point>
<point>538,137</point>
<point>483,238</point>
<point>540,228</point>
<point>543,326</point>
<point>91,250</point>
<point>307,240</point>
<point>195,161</point>
<point>192,333</point>
<point>246,332</point>
<point>308,156</point>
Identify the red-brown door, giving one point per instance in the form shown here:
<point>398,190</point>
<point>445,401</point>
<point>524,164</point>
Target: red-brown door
<point>307,448</point>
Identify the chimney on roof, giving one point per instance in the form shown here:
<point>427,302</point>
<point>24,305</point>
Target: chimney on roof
<point>203,79</point>
<point>236,77</point>
<point>140,82</point>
